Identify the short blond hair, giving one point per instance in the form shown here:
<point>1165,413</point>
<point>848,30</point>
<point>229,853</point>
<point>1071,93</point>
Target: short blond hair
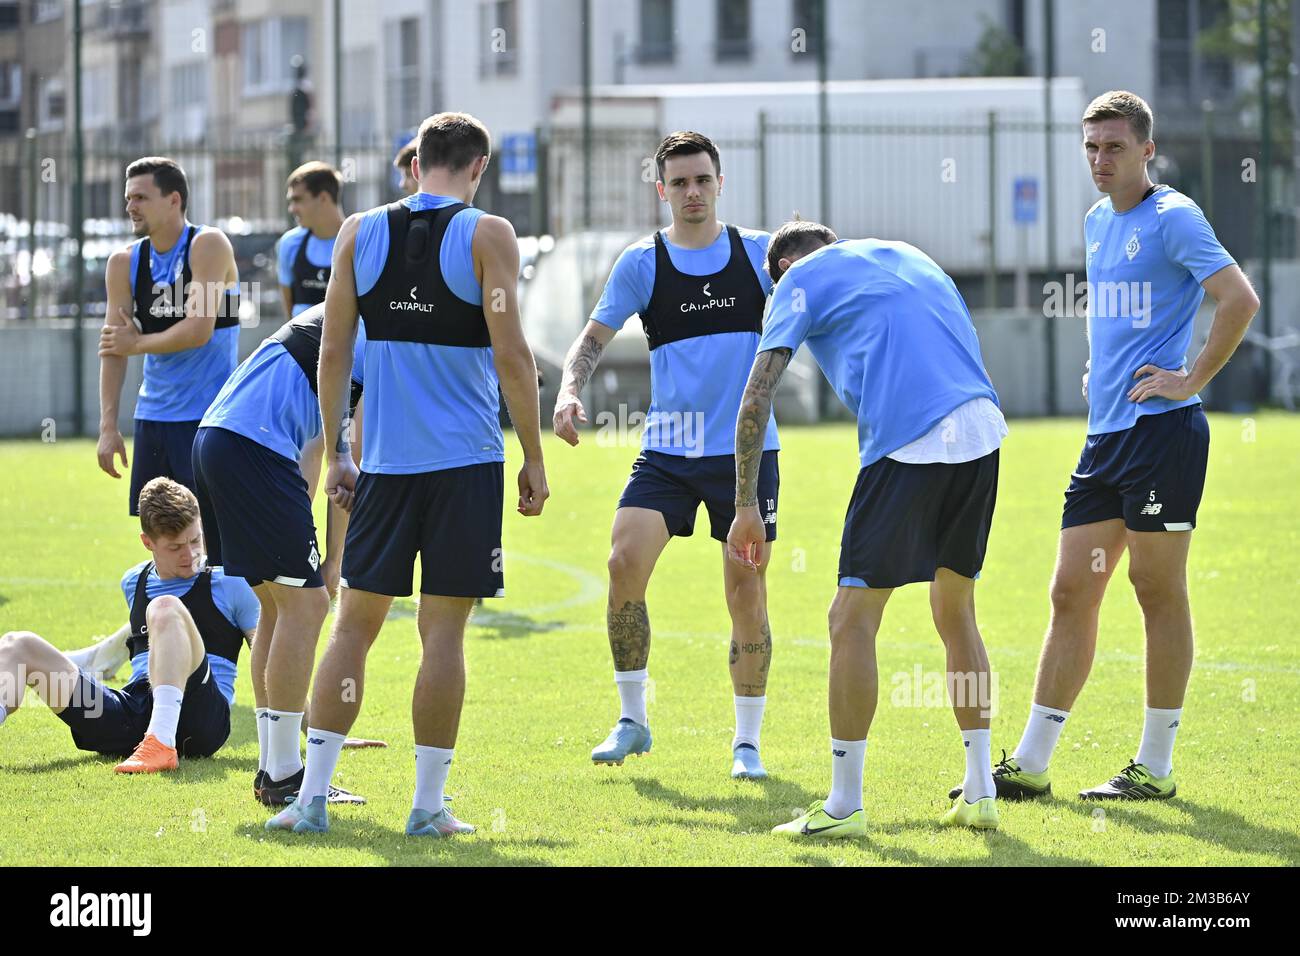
<point>166,508</point>
<point>1121,104</point>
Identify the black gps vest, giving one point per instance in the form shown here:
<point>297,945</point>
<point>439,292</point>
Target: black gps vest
<point>301,339</point>
<point>220,637</point>
<point>411,302</point>
<point>159,306</point>
<point>685,306</point>
<point>309,281</point>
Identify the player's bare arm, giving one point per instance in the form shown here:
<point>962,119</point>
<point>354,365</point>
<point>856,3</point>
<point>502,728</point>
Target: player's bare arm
<point>579,363</point>
<point>745,540</point>
<point>334,374</point>
<point>1236,305</point>
<point>496,262</point>
<point>112,368</point>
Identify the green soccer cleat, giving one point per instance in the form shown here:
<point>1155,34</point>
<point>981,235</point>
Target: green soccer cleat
<point>980,815</point>
<point>818,823</point>
<point>1012,783</point>
<point>1134,782</point>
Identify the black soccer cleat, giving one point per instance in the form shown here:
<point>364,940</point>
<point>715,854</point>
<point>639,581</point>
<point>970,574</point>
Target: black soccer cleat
<point>279,793</point>
<point>1012,783</point>
<point>1134,782</point>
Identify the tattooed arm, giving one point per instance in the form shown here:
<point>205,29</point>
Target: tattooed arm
<point>747,533</point>
<point>578,366</point>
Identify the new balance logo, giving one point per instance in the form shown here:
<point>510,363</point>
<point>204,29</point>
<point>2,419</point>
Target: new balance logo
<point>1056,717</point>
<point>839,753</point>
<point>1151,509</point>
<point>316,740</point>
<point>1172,726</point>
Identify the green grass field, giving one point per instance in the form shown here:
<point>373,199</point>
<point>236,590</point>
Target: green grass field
<point>540,691</point>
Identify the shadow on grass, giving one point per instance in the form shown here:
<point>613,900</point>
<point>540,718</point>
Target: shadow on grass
<point>752,803</point>
<point>393,847</point>
<point>1218,828</point>
<point>484,622</point>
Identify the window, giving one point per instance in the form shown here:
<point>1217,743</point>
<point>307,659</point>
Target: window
<point>808,16</point>
<point>359,119</point>
<point>733,30</point>
<point>656,43</point>
<point>46,10</point>
<point>402,73</point>
<point>189,84</point>
<point>498,34</point>
<point>51,103</point>
<point>267,48</point>
<point>11,84</point>
<point>1182,71</point>
<point>8,15</point>
<point>96,88</point>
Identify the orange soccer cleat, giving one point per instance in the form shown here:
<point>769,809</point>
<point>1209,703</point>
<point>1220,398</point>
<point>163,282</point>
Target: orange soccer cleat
<point>151,756</point>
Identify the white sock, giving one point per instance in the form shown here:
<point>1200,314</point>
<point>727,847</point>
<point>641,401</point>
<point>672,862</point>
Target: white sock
<point>260,714</point>
<point>847,760</point>
<point>978,782</point>
<point>323,749</point>
<point>1042,731</point>
<point>749,721</point>
<point>631,695</point>
<point>166,713</point>
<point>282,757</point>
<point>1158,732</point>
<point>431,767</point>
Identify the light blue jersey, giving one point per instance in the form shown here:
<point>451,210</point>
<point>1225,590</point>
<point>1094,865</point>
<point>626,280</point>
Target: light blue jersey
<point>889,330</point>
<point>1145,269</point>
<point>320,253</point>
<point>429,407</point>
<point>179,386</point>
<point>233,598</point>
<point>696,378</point>
<point>269,399</point>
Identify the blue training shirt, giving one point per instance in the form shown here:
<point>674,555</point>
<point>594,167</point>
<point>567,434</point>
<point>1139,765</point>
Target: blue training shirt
<point>233,598</point>
<point>269,400</point>
<point>889,330</point>
<point>1145,269</point>
<point>320,252</point>
<point>706,373</point>
<point>428,407</point>
<point>179,386</point>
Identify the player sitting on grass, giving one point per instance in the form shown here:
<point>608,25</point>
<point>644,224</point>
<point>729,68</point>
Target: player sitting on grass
<point>188,624</point>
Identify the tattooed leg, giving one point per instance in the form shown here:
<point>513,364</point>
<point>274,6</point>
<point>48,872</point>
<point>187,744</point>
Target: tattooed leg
<point>638,538</point>
<point>751,635</point>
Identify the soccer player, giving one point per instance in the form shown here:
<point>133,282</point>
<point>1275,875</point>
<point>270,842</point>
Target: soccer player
<point>173,297</point>
<point>304,252</point>
<point>700,290</point>
<point>434,280</point>
<point>188,624</point>
<point>256,507</point>
<point>402,163</point>
<point>892,334</point>
<point>1142,470</point>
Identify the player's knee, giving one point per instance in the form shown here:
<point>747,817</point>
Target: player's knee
<point>623,565</point>
<point>1071,594</point>
<point>954,617</point>
<point>16,645</point>
<point>165,607</point>
<point>844,623</point>
<point>746,598</point>
<point>1156,588</point>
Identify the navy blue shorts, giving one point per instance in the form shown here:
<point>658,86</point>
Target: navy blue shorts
<point>674,485</point>
<point>1151,475</point>
<point>905,521</point>
<point>450,518</point>
<point>106,720</point>
<point>161,450</point>
<point>257,520</point>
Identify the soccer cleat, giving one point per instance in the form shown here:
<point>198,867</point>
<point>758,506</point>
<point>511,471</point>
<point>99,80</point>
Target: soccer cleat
<point>1012,783</point>
<point>438,825</point>
<point>151,756</point>
<point>103,658</point>
<point>746,764</point>
<point>980,815</point>
<point>1134,782</point>
<point>279,793</point>
<point>818,823</point>
<point>259,781</point>
<point>302,818</point>
<point>627,737</point>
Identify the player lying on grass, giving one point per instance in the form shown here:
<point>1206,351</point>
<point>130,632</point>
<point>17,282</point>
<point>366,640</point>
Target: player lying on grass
<point>256,508</point>
<point>893,336</point>
<point>188,624</point>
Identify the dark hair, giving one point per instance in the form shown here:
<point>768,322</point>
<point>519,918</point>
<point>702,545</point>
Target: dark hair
<point>167,176</point>
<point>318,177</point>
<point>407,153</point>
<point>1121,104</point>
<point>685,143</point>
<point>795,238</point>
<point>452,141</point>
<point>166,508</point>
